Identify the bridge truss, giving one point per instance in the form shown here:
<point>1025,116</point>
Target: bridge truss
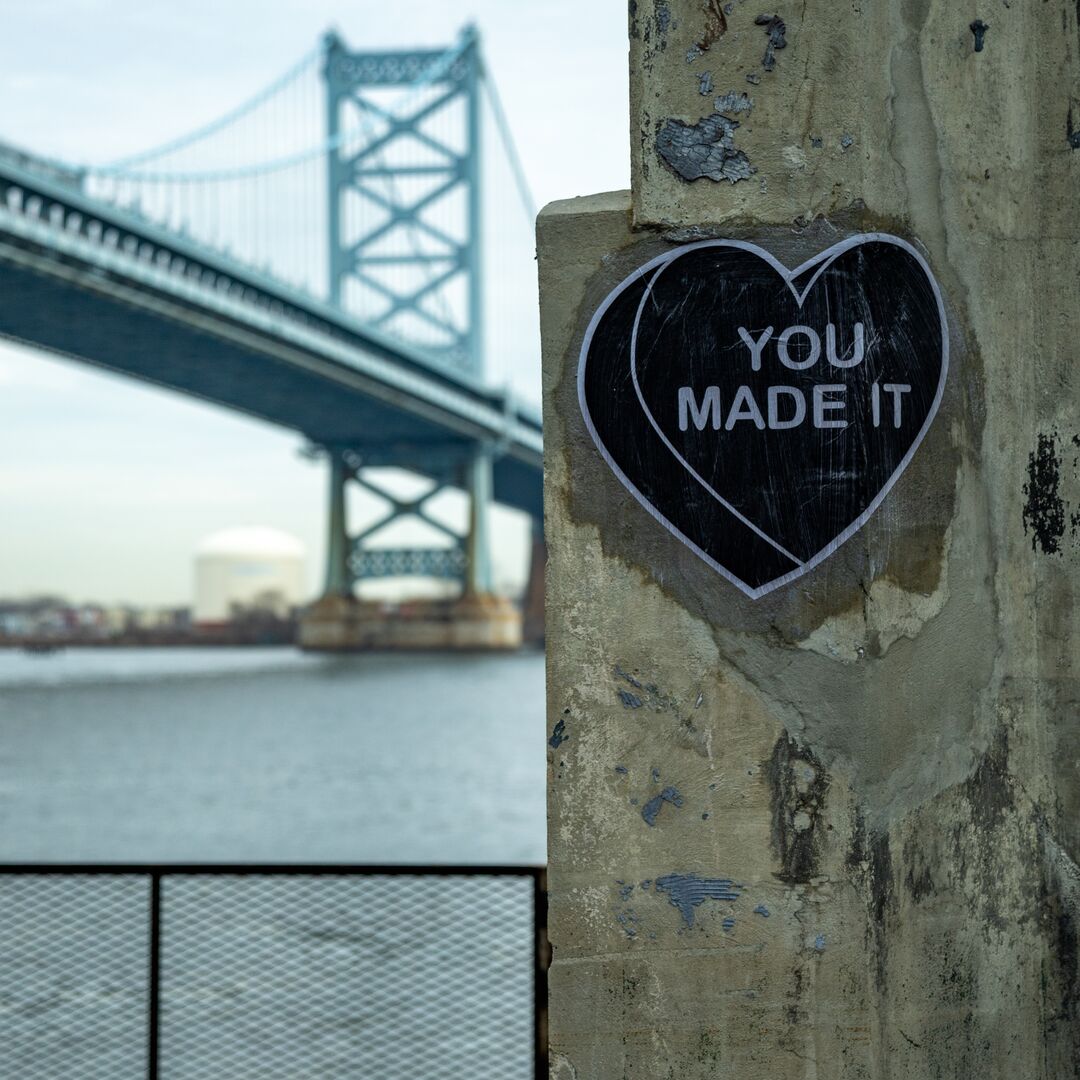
<point>363,219</point>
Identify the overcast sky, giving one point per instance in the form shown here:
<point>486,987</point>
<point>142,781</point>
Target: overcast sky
<point>106,485</point>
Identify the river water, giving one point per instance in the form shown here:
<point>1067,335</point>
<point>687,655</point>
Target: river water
<point>270,755</point>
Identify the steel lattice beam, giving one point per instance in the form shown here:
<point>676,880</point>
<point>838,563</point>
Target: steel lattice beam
<point>446,563</point>
<point>405,261</point>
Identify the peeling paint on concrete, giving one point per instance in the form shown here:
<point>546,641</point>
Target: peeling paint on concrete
<point>705,83</point>
<point>651,809</point>
<point>705,149</point>
<point>775,29</point>
<point>733,102</point>
<point>630,701</point>
<point>688,891</point>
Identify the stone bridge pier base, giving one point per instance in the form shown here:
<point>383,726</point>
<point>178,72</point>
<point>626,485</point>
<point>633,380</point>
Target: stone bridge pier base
<point>477,620</point>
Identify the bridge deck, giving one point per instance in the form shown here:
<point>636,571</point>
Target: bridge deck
<point>87,281</point>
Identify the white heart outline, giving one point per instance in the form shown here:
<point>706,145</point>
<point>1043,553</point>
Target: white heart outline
<point>825,258</point>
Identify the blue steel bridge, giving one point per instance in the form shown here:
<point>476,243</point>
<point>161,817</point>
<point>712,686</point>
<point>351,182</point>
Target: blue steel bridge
<point>348,255</point>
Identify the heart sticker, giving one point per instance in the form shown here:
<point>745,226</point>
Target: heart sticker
<point>762,414</point>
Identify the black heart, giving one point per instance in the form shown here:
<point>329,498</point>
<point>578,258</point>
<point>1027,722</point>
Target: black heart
<point>695,369</point>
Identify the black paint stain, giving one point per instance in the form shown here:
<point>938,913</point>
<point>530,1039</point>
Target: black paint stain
<point>1072,135</point>
<point>920,883</point>
<point>798,784</point>
<point>989,789</point>
<point>919,879</point>
<point>856,855</point>
<point>651,809</point>
<point>558,735</point>
<point>881,902</point>
<point>775,28</point>
<point>978,28</point>
<point>1067,955</point>
<point>1064,948</point>
<point>1056,904</point>
<point>1044,511</point>
<point>880,877</point>
<point>990,795</point>
<point>870,858</point>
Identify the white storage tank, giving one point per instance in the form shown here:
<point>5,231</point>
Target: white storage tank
<point>248,568</point>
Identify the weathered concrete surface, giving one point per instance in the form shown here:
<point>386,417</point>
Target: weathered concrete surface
<point>884,756</point>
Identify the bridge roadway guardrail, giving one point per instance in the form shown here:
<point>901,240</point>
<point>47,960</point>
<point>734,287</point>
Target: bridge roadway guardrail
<point>184,972</point>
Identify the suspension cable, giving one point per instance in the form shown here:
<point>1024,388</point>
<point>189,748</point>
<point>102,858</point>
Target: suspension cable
<point>503,127</point>
<point>431,74</point>
<point>126,163</point>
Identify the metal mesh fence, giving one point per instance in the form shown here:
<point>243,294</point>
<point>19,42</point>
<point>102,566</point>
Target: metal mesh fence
<point>271,974</point>
<point>74,977</point>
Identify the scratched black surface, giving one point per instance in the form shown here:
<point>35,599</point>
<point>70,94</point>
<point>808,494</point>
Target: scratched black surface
<point>802,487</point>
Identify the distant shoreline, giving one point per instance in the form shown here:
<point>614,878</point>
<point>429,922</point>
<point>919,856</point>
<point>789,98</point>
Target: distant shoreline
<point>44,646</point>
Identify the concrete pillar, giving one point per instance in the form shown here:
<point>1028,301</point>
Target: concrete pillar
<point>338,575</point>
<point>831,831</point>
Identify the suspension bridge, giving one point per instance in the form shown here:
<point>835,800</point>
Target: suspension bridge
<point>337,255</point>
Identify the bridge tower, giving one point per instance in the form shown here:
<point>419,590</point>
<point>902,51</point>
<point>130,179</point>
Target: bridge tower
<point>403,194</point>
<point>404,242</point>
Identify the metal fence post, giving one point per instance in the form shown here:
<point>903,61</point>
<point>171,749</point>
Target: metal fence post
<point>154,1010</point>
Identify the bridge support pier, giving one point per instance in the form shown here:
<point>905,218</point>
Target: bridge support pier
<point>338,574</point>
<point>339,621</point>
<point>478,481</point>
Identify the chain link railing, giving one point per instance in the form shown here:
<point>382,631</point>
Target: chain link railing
<point>290,972</point>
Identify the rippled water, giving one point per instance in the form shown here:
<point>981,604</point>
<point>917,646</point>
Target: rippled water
<point>270,755</point>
